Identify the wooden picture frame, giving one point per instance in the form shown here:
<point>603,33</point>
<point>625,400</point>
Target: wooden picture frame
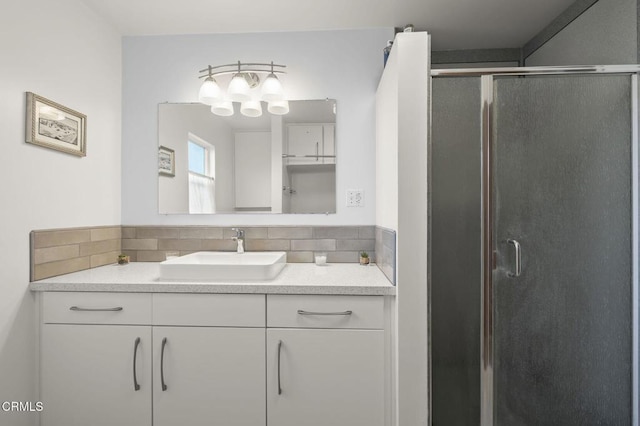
<point>166,161</point>
<point>55,126</point>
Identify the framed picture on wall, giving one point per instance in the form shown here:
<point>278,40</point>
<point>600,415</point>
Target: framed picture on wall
<point>55,126</point>
<point>166,162</point>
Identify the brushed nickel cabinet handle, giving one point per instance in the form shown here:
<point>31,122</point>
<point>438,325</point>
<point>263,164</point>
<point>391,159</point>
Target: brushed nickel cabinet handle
<point>302,312</point>
<point>116,309</point>
<point>279,351</point>
<point>164,385</point>
<point>136,386</point>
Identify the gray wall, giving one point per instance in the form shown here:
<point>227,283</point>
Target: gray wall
<point>606,33</point>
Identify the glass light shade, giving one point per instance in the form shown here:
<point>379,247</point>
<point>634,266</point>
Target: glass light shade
<point>239,89</point>
<point>278,107</point>
<point>272,89</point>
<point>251,108</point>
<point>209,92</point>
<point>222,108</point>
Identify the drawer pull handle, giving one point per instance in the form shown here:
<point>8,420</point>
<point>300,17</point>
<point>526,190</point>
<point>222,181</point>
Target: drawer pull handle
<point>279,351</point>
<point>164,385</point>
<point>301,312</point>
<point>136,386</point>
<point>116,309</point>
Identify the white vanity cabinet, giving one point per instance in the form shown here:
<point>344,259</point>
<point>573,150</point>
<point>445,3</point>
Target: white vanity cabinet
<point>166,359</point>
<point>325,361</point>
<point>208,365</point>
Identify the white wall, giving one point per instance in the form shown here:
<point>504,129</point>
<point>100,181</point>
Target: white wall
<point>63,51</point>
<point>403,127</point>
<point>604,34</point>
<point>345,65</point>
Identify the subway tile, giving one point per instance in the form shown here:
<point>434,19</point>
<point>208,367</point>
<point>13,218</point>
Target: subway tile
<point>367,232</point>
<point>313,245</point>
<point>139,244</point>
<point>343,257</point>
<point>60,238</point>
<point>267,245</point>
<point>111,233</point>
<point>104,259</point>
<point>357,245</point>
<point>157,232</point>
<point>219,245</point>
<point>179,244</point>
<point>97,247</point>
<point>52,254</point>
<point>300,257</point>
<point>133,255</point>
<point>249,232</point>
<point>337,232</point>
<point>150,256</point>
<point>128,232</point>
<point>201,232</point>
<point>61,267</point>
<point>290,232</point>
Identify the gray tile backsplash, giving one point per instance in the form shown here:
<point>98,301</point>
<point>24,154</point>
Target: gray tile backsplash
<point>60,251</point>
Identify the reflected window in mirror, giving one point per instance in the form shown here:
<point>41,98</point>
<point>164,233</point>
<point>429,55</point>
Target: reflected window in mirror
<point>202,162</point>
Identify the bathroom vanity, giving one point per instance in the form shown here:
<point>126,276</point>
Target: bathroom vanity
<point>311,347</point>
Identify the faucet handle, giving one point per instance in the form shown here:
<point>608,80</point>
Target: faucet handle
<point>239,232</point>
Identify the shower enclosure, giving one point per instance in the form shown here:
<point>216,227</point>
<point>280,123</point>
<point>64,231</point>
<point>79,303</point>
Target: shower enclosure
<point>533,292</point>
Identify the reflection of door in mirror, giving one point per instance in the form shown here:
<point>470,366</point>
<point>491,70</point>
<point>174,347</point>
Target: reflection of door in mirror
<point>202,160</point>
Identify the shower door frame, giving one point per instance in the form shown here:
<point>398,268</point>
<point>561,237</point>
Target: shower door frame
<point>487,78</point>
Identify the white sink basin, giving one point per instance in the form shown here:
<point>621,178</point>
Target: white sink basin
<point>224,266</point>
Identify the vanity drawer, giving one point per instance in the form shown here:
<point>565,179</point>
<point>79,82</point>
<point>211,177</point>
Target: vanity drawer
<point>96,308</point>
<point>306,311</point>
<point>216,310</point>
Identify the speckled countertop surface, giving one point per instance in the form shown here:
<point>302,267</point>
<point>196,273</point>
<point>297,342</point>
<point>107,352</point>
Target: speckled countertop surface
<point>295,278</point>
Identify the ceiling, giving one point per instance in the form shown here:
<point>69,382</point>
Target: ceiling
<point>454,24</point>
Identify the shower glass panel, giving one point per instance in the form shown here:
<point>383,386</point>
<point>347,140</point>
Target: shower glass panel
<point>562,285</point>
<point>456,257</point>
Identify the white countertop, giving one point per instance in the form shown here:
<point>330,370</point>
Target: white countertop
<point>295,278</point>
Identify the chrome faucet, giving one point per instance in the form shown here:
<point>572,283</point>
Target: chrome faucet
<point>239,238</point>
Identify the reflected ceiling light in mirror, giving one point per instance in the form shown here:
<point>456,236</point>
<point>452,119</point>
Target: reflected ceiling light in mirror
<point>222,108</point>
<point>244,82</point>
<point>278,107</point>
<point>251,108</point>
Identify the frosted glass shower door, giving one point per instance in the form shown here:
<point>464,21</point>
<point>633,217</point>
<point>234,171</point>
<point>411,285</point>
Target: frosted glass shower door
<point>562,282</point>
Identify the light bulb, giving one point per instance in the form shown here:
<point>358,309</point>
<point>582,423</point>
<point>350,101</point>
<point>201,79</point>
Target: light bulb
<point>209,92</point>
<point>239,89</point>
<point>222,108</point>
<point>251,108</point>
<point>272,89</point>
<point>278,107</point>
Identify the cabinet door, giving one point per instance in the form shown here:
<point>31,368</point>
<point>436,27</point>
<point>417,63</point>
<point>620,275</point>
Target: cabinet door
<point>329,143</point>
<point>213,376</point>
<point>305,140</point>
<point>87,375</point>
<point>325,377</point>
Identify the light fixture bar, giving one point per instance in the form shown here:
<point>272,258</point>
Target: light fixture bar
<point>239,67</point>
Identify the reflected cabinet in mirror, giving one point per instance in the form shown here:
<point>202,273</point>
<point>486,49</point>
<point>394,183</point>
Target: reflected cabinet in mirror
<point>237,164</point>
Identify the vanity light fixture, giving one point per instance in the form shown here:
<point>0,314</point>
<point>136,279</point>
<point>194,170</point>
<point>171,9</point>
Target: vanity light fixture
<point>243,88</point>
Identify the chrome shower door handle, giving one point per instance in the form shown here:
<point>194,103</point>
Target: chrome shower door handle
<point>518,265</point>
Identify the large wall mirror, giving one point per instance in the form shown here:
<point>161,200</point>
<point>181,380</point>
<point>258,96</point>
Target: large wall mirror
<point>268,164</point>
